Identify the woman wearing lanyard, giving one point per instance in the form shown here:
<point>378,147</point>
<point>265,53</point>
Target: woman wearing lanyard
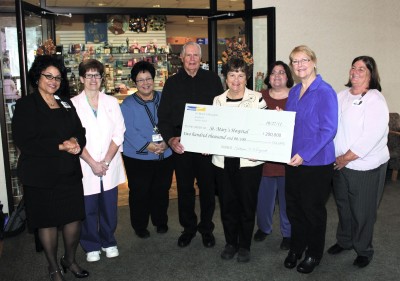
<point>146,155</point>
<point>101,161</point>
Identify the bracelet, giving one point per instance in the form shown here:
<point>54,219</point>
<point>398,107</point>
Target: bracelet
<point>107,163</point>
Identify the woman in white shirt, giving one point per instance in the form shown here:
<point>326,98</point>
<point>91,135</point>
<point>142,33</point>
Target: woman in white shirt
<point>361,159</point>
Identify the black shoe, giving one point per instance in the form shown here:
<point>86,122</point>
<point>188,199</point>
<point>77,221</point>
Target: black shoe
<point>285,244</point>
<point>185,239</point>
<point>308,265</point>
<point>208,240</point>
<point>291,260</point>
<point>243,255</point>
<point>53,273</point>
<point>162,229</point>
<point>142,233</point>
<point>260,236</point>
<point>361,261</point>
<point>229,252</point>
<point>336,249</point>
<point>73,268</point>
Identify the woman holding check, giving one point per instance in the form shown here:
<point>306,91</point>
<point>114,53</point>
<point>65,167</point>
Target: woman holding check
<point>238,179</point>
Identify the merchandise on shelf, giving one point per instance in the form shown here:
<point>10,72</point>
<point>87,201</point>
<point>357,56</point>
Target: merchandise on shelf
<point>117,62</point>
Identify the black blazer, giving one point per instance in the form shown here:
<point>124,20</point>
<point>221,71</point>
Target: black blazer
<point>37,135</point>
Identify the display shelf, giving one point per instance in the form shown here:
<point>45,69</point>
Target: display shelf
<point>117,67</point>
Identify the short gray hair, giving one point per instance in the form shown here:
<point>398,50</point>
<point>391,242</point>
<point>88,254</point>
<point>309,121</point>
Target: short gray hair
<point>190,43</point>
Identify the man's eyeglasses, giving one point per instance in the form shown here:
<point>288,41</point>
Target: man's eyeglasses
<point>302,61</point>
<point>141,81</point>
<point>51,77</point>
<point>95,76</point>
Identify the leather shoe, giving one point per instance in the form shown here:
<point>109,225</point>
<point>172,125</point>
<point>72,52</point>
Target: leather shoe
<point>308,265</point>
<point>162,229</point>
<point>291,260</point>
<point>208,240</point>
<point>260,236</point>
<point>142,233</point>
<point>336,249</point>
<point>285,244</point>
<point>243,255</point>
<point>361,261</point>
<point>185,239</point>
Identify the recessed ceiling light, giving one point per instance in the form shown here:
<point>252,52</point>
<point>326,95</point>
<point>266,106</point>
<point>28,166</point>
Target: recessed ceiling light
<point>101,4</point>
<point>157,6</point>
<point>190,20</point>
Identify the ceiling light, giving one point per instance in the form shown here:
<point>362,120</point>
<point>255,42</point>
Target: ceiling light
<point>190,20</point>
<point>157,6</point>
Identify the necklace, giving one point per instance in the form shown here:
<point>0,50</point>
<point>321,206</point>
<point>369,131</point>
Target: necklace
<point>50,103</point>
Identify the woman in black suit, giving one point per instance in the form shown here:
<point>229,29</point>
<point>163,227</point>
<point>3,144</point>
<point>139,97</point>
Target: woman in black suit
<point>50,136</point>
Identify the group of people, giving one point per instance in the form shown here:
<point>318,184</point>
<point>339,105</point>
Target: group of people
<point>71,162</point>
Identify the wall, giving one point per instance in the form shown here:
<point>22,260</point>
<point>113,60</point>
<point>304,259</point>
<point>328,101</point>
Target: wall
<point>338,31</point>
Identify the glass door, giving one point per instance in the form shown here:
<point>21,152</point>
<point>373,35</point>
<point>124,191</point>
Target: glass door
<point>20,40</point>
<point>239,31</point>
<point>36,30</point>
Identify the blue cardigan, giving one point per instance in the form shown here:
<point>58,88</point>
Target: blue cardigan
<point>316,122</point>
<point>139,128</point>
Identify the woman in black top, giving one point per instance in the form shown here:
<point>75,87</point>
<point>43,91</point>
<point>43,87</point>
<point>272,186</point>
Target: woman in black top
<point>50,136</point>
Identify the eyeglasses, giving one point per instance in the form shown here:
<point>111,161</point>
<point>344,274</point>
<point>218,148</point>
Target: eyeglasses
<point>95,76</point>
<point>51,77</point>
<point>302,61</point>
<point>280,72</point>
<point>141,81</point>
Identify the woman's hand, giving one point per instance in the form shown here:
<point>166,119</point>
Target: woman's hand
<point>175,144</point>
<point>296,161</point>
<point>99,168</point>
<point>71,146</point>
<point>343,160</point>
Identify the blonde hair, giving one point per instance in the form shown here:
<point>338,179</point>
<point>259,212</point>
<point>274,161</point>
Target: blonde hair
<point>303,49</point>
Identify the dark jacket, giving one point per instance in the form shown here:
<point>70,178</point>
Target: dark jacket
<point>180,89</point>
<point>38,134</point>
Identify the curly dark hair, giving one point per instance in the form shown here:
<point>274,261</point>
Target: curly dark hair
<point>142,66</point>
<point>236,64</point>
<point>289,76</point>
<point>40,64</point>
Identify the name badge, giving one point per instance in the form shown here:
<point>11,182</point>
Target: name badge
<point>65,104</point>
<point>157,138</point>
<point>357,102</point>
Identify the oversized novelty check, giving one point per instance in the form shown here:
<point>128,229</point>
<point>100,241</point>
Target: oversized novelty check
<point>238,132</point>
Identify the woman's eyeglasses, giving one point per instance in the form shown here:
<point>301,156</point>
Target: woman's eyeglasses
<point>280,72</point>
<point>51,77</point>
<point>302,61</point>
<point>141,81</point>
<point>95,76</point>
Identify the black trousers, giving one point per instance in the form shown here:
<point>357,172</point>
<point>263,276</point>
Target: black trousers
<point>188,167</point>
<point>237,192</point>
<point>307,191</point>
<point>149,183</point>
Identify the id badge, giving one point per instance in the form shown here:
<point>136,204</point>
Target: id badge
<point>157,137</point>
<point>65,104</point>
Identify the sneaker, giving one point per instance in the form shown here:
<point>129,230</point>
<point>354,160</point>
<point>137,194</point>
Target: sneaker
<point>93,256</point>
<point>111,252</point>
